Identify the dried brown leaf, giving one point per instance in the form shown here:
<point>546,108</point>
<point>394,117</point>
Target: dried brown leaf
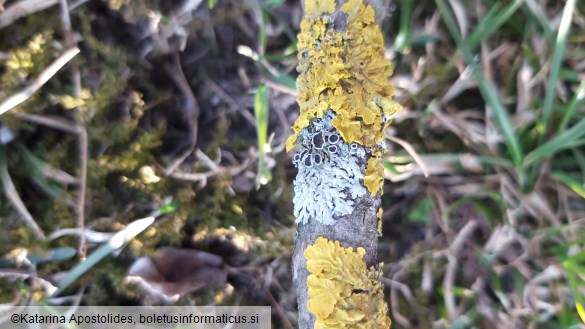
<point>173,272</point>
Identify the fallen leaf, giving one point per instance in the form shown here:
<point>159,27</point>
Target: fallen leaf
<point>173,272</point>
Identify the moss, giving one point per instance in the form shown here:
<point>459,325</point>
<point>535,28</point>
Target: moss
<point>219,139</point>
<point>343,292</point>
<point>26,62</point>
<point>345,71</point>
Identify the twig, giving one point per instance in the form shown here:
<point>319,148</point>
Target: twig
<point>228,99</point>
<point>285,321</point>
<point>408,148</point>
<point>396,315</point>
<point>394,287</point>
<point>51,121</point>
<point>23,8</point>
<point>202,177</point>
<point>455,248</point>
<point>82,248</point>
<point>47,286</point>
<point>27,92</point>
<point>69,42</point>
<point>190,107</point>
<point>76,81</point>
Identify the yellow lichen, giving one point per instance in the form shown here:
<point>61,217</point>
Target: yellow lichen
<point>346,72</point>
<point>374,179</point>
<point>343,292</point>
<point>318,8</point>
<point>379,215</point>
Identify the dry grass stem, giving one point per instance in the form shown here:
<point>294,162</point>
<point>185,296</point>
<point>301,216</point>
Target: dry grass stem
<point>23,8</point>
<point>452,257</point>
<point>27,92</point>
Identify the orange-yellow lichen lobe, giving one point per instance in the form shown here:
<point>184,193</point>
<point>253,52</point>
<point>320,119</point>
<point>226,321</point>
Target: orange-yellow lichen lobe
<point>379,216</point>
<point>316,8</point>
<point>343,292</point>
<point>374,179</point>
<point>344,71</point>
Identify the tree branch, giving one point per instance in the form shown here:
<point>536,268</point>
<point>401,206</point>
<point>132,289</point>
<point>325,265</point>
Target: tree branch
<point>345,103</point>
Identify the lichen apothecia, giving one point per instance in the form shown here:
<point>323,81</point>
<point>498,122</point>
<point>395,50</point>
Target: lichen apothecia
<point>345,72</point>
<point>345,95</point>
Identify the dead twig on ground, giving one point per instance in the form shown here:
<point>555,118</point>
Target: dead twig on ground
<point>449,280</point>
<point>201,178</point>
<point>47,286</point>
<point>190,108</point>
<point>83,142</point>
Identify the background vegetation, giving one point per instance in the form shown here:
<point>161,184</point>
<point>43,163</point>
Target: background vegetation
<point>178,110</point>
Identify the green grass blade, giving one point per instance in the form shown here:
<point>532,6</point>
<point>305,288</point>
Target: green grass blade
<point>36,170</point>
<point>261,114</point>
<point>52,255</point>
<point>579,158</point>
<point>572,183</point>
<point>7,186</point>
<point>533,9</point>
<point>500,114</point>
<point>581,310</point>
<point>262,37</point>
<point>169,207</point>
<point>575,102</point>
<point>555,65</point>
<point>117,241</point>
<point>279,77</point>
<point>567,139</point>
<point>402,41</point>
<point>279,57</point>
<point>576,277</point>
<point>491,22</point>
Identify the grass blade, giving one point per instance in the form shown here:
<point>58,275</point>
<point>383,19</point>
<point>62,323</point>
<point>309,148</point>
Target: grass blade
<point>7,186</point>
<point>402,41</point>
<point>262,39</point>
<point>533,9</point>
<point>500,114</point>
<point>576,277</point>
<point>261,114</point>
<point>567,139</point>
<point>572,183</point>
<point>575,102</point>
<point>116,242</point>
<point>555,65</point>
<point>52,255</point>
<point>491,22</point>
<point>49,72</point>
